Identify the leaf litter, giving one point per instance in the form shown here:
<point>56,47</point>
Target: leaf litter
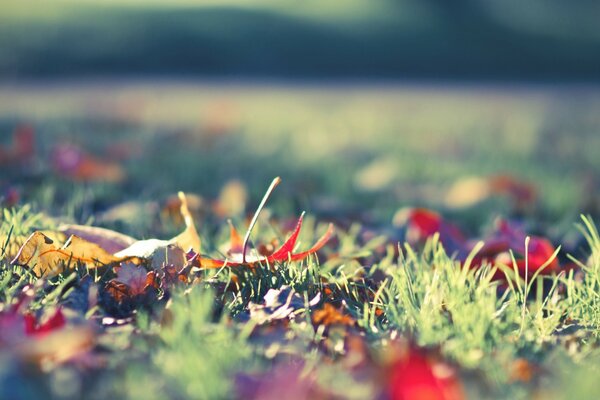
<point>285,306</point>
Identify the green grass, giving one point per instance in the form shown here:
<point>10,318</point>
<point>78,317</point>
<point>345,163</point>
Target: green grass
<point>198,340</point>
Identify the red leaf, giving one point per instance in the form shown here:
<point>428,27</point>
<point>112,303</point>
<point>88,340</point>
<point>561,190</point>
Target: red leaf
<point>508,238</point>
<point>22,148</point>
<point>421,223</point>
<point>289,244</point>
<point>284,253</point>
<point>317,246</point>
<point>413,377</point>
<point>55,321</point>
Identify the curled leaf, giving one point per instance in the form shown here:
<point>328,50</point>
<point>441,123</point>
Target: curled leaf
<point>186,240</point>
<point>284,253</point>
<point>109,240</point>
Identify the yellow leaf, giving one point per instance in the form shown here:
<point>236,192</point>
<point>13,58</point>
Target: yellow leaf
<point>45,259</point>
<point>189,238</point>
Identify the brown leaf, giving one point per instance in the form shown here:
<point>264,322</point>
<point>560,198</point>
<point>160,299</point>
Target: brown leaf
<point>133,276</point>
<point>329,315</point>
<point>522,370</point>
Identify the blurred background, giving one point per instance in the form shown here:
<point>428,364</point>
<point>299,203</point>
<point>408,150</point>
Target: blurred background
<point>474,107</point>
<point>333,39</point>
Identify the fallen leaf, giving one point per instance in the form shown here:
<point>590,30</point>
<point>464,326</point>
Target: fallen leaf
<point>134,276</point>
<point>22,147</point>
<point>236,242</point>
<point>522,370</point>
<point>469,191</point>
<point>421,223</point>
<point>49,340</point>
<point>109,240</point>
<point>522,194</point>
<point>330,315</point>
<point>57,346</point>
<point>72,162</point>
<point>376,176</point>
<point>46,259</point>
<point>413,376</point>
<point>284,253</point>
<point>279,304</point>
<point>508,237</point>
<point>54,321</point>
<point>186,240</point>
<point>171,208</point>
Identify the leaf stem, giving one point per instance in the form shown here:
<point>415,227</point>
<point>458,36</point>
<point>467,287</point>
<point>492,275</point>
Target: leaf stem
<point>273,185</point>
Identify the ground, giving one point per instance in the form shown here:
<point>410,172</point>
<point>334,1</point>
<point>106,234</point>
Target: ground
<point>399,299</point>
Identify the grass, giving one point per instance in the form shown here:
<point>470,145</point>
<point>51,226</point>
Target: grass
<point>215,337</point>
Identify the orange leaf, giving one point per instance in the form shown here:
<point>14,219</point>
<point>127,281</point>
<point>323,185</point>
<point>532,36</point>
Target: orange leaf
<point>236,243</point>
<point>329,315</point>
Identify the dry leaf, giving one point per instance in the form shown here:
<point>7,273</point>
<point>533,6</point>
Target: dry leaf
<point>133,276</point>
<point>330,315</point>
<point>45,259</point>
<point>109,240</point>
<point>186,240</point>
<point>284,253</point>
<point>522,370</point>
